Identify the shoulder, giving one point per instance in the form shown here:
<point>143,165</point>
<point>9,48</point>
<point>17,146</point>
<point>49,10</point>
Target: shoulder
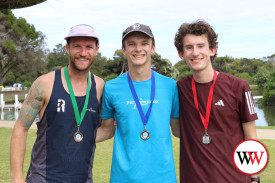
<point>117,81</point>
<point>232,84</point>
<point>99,86</point>
<point>233,80</point>
<point>166,80</point>
<point>42,87</point>
<point>45,82</point>
<point>116,86</point>
<point>99,81</point>
<point>49,77</point>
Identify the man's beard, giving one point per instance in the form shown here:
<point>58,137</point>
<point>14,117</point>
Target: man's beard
<point>74,66</point>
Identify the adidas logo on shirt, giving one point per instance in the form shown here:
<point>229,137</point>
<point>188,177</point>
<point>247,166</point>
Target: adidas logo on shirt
<point>219,103</point>
<point>250,102</point>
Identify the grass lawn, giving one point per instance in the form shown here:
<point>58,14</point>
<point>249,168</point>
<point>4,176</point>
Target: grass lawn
<point>255,90</point>
<point>103,157</point>
<point>265,127</point>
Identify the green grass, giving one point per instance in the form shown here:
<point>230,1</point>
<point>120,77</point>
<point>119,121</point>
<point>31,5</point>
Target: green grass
<point>255,90</point>
<point>103,157</point>
<point>265,127</point>
<point>253,87</point>
<point>9,95</point>
<point>10,99</point>
<point>268,174</point>
<point>5,149</point>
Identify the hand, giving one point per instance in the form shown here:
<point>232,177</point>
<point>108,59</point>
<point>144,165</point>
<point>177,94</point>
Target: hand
<point>255,178</point>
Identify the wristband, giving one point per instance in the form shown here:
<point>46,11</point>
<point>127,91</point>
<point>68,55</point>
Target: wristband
<point>256,179</point>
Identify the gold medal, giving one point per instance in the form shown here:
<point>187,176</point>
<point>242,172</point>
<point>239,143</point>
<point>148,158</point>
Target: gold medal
<point>145,135</point>
<point>78,136</point>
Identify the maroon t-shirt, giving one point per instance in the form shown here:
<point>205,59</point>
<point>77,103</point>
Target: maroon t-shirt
<point>232,105</point>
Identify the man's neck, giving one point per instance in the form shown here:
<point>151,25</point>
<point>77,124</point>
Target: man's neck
<point>79,81</point>
<point>140,74</point>
<point>78,76</point>
<point>204,76</point>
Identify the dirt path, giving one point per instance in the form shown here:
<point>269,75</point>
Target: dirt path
<point>266,134</point>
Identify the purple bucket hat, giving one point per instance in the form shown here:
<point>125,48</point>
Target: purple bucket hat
<point>82,30</point>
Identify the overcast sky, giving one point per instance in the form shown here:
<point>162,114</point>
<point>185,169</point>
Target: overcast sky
<point>246,28</point>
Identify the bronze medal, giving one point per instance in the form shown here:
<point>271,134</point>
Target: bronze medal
<point>78,136</point>
<point>145,135</point>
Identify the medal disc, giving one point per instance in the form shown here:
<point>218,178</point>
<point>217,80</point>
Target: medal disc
<point>78,136</point>
<point>145,135</point>
<point>206,139</point>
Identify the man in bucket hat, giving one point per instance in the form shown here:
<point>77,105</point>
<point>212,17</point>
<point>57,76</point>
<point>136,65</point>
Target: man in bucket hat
<point>67,102</point>
<point>142,102</point>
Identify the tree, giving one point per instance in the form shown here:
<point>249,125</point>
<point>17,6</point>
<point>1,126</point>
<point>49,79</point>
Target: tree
<point>269,90</point>
<point>223,63</point>
<point>57,58</point>
<point>164,66</point>
<point>183,69</point>
<point>10,79</point>
<point>31,67</point>
<point>271,59</point>
<point>12,4</point>
<point>115,67</point>
<point>21,46</point>
<point>98,65</point>
<point>261,77</point>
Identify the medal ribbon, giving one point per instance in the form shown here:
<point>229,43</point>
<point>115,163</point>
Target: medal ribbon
<point>78,117</point>
<point>133,91</point>
<point>205,121</point>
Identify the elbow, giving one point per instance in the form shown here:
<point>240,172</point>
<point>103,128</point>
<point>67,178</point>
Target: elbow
<point>111,134</point>
<point>176,133</point>
<point>104,134</point>
<point>112,130</point>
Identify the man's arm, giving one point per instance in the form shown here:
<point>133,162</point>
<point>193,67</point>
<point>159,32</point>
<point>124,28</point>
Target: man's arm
<point>249,130</point>
<point>106,130</point>
<point>175,126</point>
<point>28,112</point>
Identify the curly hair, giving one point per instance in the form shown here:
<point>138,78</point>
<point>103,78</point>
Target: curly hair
<point>197,28</point>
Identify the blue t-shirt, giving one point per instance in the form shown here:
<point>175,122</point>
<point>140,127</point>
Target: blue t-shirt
<point>136,160</point>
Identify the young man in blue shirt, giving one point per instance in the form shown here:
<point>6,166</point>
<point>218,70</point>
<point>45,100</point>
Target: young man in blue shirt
<point>144,104</point>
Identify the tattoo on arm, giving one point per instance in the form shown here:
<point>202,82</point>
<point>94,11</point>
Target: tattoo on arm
<point>32,105</point>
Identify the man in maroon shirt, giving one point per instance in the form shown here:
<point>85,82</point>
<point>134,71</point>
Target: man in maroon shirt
<point>216,111</point>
